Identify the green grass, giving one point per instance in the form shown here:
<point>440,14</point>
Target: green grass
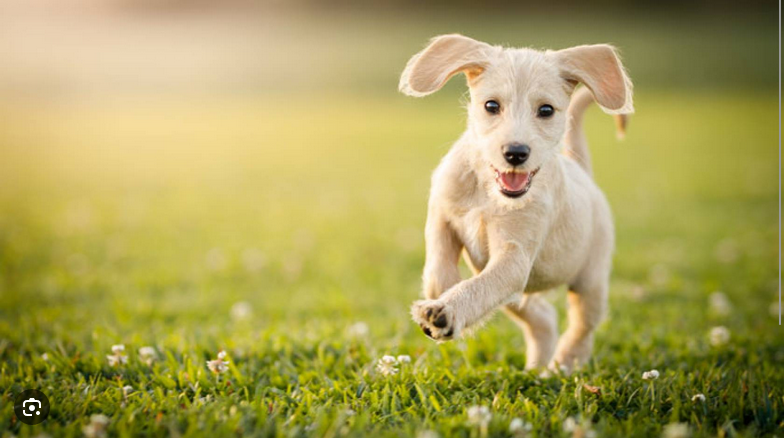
<point>143,220</point>
<point>313,216</point>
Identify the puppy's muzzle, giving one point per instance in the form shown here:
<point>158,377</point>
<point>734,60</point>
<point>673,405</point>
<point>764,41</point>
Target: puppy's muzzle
<point>517,154</point>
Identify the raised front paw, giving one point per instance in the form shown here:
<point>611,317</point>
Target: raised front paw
<point>437,319</point>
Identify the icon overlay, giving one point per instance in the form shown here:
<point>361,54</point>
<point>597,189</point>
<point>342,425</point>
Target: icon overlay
<point>31,407</point>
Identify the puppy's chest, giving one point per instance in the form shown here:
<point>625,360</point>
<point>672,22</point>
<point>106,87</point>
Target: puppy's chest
<point>471,226</point>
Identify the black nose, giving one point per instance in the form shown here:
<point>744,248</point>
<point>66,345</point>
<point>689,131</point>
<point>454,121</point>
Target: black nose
<point>517,154</point>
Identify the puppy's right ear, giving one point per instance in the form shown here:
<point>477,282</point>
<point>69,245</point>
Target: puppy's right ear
<point>445,56</point>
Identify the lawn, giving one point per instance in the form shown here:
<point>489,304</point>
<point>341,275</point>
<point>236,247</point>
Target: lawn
<point>287,232</point>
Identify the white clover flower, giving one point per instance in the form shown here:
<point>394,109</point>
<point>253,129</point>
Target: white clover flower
<point>358,330</point>
<point>117,357</point>
<point>97,426</point>
<point>404,358</point>
<point>698,398</point>
<point>569,425</point>
<point>572,426</point>
<point>241,311</point>
<point>113,360</point>
<point>218,366</point>
<point>518,426</point>
<point>720,304</point>
<point>676,430</point>
<point>148,355</point>
<point>719,336</point>
<point>650,375</point>
<point>45,357</point>
<point>387,365</point>
<point>479,415</point>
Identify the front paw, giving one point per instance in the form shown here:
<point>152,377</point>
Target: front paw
<point>437,319</point>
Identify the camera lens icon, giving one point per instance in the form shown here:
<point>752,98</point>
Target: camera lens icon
<point>31,407</point>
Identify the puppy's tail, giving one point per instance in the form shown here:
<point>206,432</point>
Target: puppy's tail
<point>576,143</point>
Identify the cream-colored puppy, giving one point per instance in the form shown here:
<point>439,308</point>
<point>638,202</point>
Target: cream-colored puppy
<point>516,193</point>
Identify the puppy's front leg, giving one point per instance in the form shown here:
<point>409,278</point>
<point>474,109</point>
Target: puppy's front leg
<point>471,300</point>
<point>442,255</point>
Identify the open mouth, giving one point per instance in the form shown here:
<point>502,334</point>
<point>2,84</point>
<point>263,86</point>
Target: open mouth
<point>514,184</point>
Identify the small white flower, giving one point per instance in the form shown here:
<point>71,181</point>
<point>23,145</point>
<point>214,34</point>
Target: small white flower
<point>45,357</point>
<point>117,358</point>
<point>241,311</point>
<point>97,426</point>
<point>569,425</point>
<point>719,336</point>
<point>650,375</point>
<point>720,304</point>
<point>479,415</point>
<point>358,330</point>
<point>572,426</point>
<point>428,434</point>
<point>387,365</point>
<point>698,398</point>
<point>218,366</point>
<point>404,358</point>
<point>517,426</point>
<point>148,355</point>
<point>676,430</point>
<point>99,419</point>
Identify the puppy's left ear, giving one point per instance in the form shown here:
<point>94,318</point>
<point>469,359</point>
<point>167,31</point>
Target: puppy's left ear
<point>599,68</point>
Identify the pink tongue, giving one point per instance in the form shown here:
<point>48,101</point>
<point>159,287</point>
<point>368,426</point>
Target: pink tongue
<point>514,182</point>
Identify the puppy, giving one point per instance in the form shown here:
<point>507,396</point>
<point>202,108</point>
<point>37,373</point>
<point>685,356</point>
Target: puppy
<point>515,193</point>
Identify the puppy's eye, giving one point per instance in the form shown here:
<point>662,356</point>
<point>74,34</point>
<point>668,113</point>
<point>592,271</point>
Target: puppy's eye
<point>492,107</point>
<point>545,111</point>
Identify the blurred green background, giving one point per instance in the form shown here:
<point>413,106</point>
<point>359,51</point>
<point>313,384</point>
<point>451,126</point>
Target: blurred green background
<point>162,162</point>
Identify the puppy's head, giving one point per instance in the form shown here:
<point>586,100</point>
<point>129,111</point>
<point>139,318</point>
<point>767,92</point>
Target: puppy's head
<point>519,100</point>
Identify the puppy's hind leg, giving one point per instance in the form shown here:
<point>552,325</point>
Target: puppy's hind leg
<point>587,303</point>
<point>539,321</point>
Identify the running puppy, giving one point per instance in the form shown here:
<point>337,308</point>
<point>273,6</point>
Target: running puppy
<point>516,193</point>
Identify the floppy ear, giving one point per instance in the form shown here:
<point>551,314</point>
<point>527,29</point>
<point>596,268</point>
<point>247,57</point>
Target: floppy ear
<point>445,56</point>
<point>598,68</point>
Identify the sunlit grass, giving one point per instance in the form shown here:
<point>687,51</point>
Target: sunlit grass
<point>144,224</point>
